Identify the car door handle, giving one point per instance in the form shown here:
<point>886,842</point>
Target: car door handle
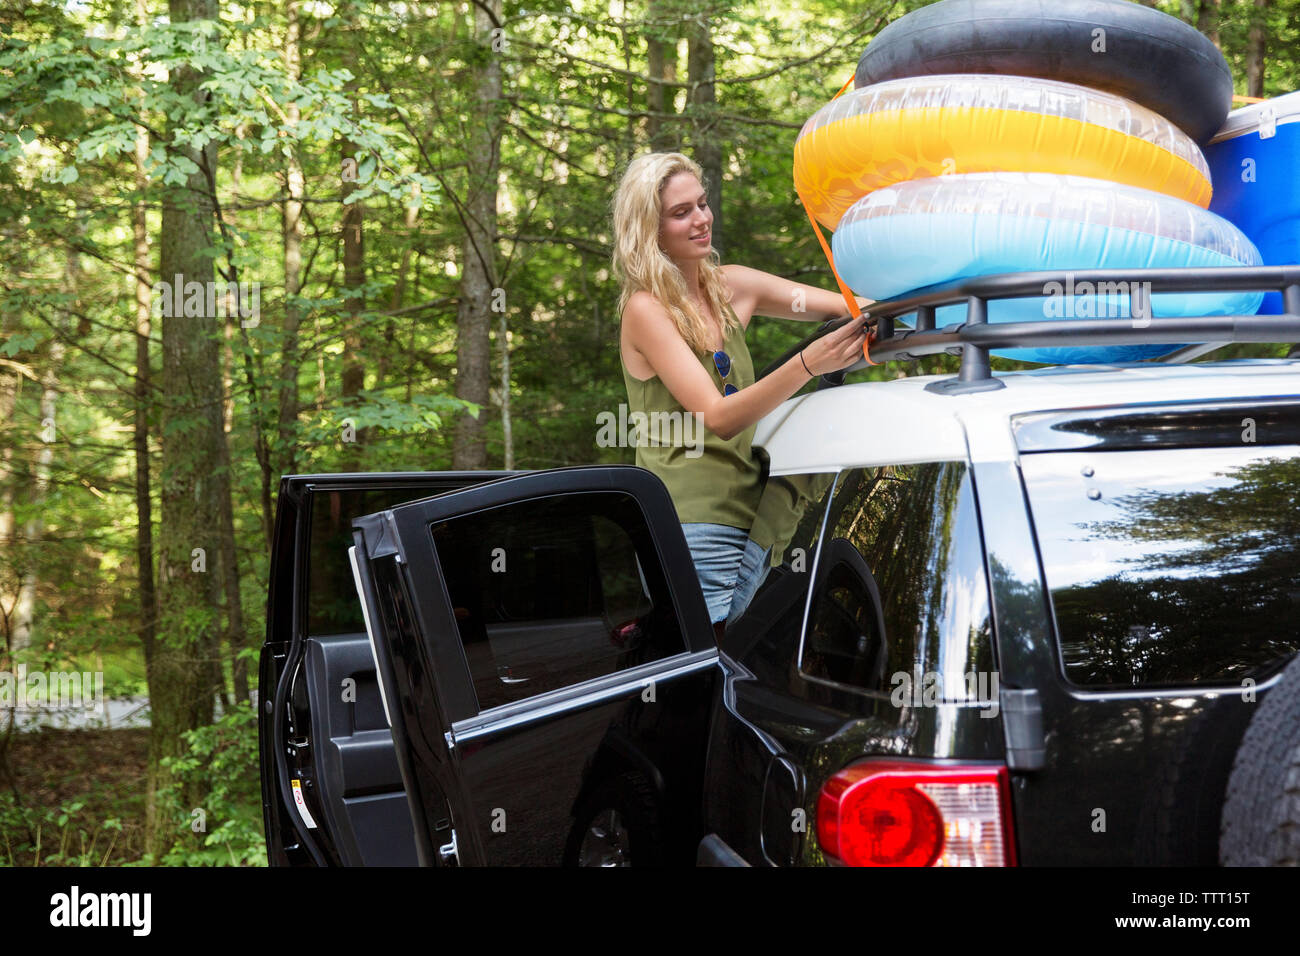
<point>503,672</point>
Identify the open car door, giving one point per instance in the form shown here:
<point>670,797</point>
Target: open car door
<point>547,667</point>
<point>332,793</point>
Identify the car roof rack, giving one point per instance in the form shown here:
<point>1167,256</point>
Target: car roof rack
<point>973,338</point>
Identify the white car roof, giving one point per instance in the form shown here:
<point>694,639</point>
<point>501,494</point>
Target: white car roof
<point>869,424</point>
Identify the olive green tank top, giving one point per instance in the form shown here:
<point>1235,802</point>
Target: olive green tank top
<point>709,479</point>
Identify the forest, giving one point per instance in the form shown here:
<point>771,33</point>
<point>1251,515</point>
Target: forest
<point>241,240</point>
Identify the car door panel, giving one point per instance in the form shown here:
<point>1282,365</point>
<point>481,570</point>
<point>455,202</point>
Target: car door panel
<point>529,769</point>
<point>524,661</point>
<point>434,798</point>
<point>364,800</point>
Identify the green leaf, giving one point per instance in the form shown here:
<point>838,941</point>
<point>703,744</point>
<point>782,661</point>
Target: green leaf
<point>366,168</point>
<point>18,342</point>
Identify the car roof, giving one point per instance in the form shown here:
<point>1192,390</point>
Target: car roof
<point>869,424</point>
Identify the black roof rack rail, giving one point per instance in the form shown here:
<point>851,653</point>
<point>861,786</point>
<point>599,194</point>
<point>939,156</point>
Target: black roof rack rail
<point>974,338</point>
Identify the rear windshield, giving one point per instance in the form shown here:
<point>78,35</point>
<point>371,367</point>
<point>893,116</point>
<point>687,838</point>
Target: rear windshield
<point>1170,566</point>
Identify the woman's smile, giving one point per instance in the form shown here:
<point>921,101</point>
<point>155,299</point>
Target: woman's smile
<point>686,223</point>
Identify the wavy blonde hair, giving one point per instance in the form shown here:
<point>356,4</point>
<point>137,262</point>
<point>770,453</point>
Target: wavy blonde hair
<point>640,264</point>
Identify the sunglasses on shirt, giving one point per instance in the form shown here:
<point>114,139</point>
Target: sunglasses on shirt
<point>722,362</point>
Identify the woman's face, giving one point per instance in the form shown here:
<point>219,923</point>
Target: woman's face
<point>686,222</point>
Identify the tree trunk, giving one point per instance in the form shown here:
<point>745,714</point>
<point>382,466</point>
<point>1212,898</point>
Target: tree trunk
<point>399,295</point>
<point>8,481</point>
<point>295,189</point>
<point>708,151</point>
<point>234,629</point>
<point>661,56</point>
<point>1256,49</point>
<point>354,265</point>
<point>181,688</point>
<point>147,628</point>
<point>478,252</point>
<point>507,433</point>
<point>236,639</point>
<point>22,623</point>
<point>1207,20</point>
<point>354,276</point>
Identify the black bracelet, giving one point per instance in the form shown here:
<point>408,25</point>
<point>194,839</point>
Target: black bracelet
<point>805,364</point>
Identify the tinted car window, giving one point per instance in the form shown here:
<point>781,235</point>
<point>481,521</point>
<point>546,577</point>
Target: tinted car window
<point>1170,566</point>
<point>911,535</point>
<point>555,591</point>
<point>332,603</point>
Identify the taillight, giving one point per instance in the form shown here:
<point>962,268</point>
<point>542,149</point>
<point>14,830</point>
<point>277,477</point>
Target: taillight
<point>896,813</point>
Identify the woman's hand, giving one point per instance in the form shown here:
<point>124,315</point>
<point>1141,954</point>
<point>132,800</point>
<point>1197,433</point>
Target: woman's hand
<point>838,349</point>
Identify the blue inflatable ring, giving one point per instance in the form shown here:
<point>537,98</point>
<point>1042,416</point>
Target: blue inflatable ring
<point>930,231</point>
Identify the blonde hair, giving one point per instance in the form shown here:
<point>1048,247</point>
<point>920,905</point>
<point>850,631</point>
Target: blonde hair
<point>639,263</point>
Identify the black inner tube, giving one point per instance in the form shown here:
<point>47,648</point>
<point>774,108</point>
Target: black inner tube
<point>1112,45</point>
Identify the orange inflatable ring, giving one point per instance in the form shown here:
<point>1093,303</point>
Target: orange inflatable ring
<point>922,127</point>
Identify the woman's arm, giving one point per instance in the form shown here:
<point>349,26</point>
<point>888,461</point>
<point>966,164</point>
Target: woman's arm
<point>652,332</point>
<point>765,294</point>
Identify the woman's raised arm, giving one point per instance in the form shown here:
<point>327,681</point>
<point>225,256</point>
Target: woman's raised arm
<point>762,293</point>
<point>652,332</point>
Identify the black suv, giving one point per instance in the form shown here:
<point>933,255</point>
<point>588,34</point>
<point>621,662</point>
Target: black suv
<point>1033,618</point>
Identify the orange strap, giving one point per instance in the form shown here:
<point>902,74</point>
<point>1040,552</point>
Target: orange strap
<point>1248,99</point>
<point>830,259</point>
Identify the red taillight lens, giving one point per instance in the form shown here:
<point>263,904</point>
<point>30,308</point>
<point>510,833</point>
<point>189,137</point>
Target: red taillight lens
<point>895,813</point>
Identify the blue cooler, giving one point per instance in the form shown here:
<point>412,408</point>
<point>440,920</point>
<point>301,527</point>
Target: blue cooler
<point>1255,170</point>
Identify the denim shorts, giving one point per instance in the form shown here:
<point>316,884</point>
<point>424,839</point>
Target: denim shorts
<point>730,565</point>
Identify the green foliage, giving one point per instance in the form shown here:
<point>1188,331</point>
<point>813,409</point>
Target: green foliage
<point>71,797</point>
<point>54,836</point>
<point>421,413</point>
<point>224,828</point>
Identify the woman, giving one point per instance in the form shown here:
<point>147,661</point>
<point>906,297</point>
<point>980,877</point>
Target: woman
<point>682,345</point>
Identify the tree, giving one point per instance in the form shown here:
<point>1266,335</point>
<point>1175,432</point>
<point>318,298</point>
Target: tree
<point>183,675</point>
<point>478,285</point>
<point>708,149</point>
